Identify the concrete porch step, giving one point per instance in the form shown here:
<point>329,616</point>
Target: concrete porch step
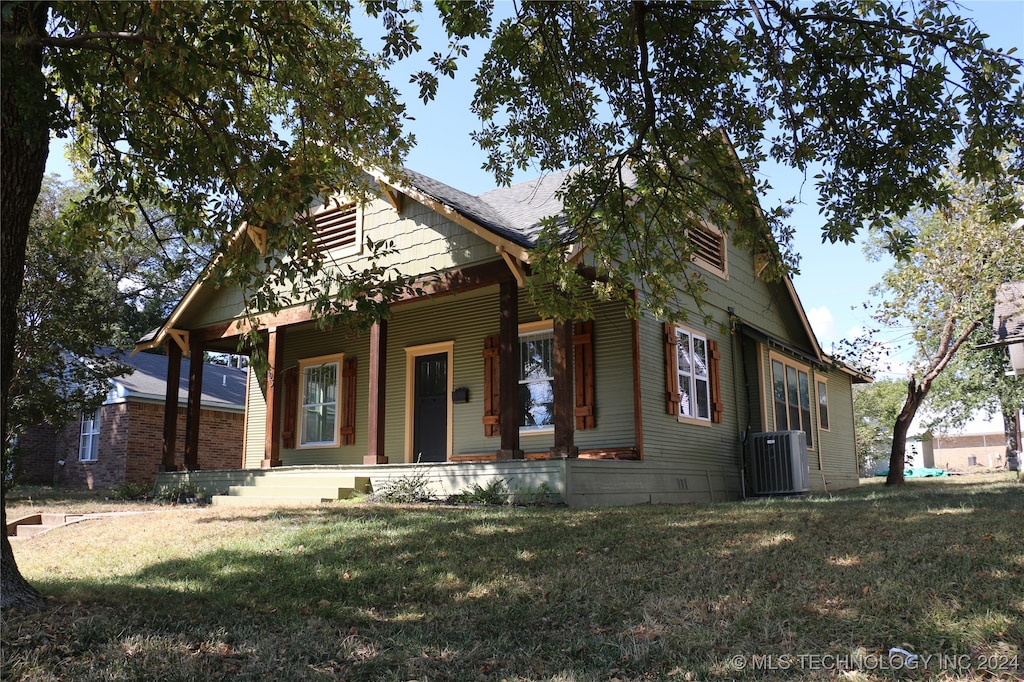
<point>318,492</point>
<point>309,481</point>
<point>291,490</point>
<point>226,501</point>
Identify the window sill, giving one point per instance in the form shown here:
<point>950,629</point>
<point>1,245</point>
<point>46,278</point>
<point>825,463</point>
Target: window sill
<point>543,431</point>
<point>694,421</point>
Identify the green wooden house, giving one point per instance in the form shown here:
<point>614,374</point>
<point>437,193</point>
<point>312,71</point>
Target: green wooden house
<point>466,383</point>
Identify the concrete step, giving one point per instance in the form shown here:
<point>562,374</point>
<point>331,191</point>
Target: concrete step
<point>318,492</point>
<point>226,501</point>
<point>25,532</point>
<point>310,481</point>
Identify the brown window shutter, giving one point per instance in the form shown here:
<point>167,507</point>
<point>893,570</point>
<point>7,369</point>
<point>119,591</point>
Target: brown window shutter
<point>671,370</point>
<point>714,372</point>
<point>492,387</point>
<point>290,406</point>
<point>348,398</point>
<point>583,361</point>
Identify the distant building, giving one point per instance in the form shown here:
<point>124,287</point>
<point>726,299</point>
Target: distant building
<point>122,441</point>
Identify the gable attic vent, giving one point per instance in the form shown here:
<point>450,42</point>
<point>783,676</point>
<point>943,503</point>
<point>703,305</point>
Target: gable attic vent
<point>336,228</point>
<point>709,247</point>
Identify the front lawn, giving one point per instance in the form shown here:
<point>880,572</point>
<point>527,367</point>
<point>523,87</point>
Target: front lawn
<point>820,587</point>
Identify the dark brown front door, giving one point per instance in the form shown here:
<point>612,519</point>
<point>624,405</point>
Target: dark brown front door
<point>430,409</point>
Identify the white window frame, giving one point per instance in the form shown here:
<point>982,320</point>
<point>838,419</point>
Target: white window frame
<point>337,361</point>
<point>788,364</point>
<point>89,433</point>
<point>692,380</point>
<point>536,330</point>
<point>821,389</point>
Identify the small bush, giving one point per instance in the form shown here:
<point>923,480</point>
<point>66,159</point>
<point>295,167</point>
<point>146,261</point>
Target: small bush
<point>495,492</point>
<point>413,487</point>
<point>132,491</point>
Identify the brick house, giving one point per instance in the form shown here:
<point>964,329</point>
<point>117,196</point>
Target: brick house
<point>122,442</point>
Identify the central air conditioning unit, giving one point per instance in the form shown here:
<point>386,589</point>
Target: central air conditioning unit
<point>778,463</point>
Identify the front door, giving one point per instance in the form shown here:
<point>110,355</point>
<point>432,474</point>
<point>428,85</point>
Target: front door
<point>430,408</point>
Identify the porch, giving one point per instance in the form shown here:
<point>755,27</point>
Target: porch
<point>575,482</point>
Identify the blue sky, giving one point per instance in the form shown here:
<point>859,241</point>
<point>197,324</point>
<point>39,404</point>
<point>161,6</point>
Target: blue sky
<point>834,279</point>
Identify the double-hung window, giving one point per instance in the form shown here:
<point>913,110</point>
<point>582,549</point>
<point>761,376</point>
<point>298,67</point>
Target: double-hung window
<point>694,375</point>
<point>536,380</point>
<point>791,395</point>
<point>822,404</point>
<point>318,408</point>
<point>89,437</point>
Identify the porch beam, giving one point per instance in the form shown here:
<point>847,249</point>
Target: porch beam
<point>464,279</point>
<point>508,369</point>
<point>378,402</point>
<point>195,404</point>
<point>564,412</point>
<point>170,435</point>
<point>275,392</point>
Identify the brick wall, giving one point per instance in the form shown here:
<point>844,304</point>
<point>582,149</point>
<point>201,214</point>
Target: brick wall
<point>130,448</point>
<point>38,451</point>
<point>220,441</point>
<point>108,469</point>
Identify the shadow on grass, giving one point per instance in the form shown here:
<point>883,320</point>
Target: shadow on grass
<point>386,593</point>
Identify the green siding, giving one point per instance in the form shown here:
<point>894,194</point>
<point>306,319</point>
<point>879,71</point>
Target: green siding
<point>255,422</point>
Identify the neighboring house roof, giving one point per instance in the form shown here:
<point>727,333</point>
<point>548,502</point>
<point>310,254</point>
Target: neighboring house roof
<point>223,387</point>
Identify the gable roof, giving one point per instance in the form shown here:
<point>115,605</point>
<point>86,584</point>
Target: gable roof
<point>510,217</point>
<point>223,387</point>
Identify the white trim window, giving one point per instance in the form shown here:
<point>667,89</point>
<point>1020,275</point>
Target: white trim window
<point>791,394</point>
<point>536,380</point>
<point>89,437</point>
<point>694,375</point>
<point>319,400</point>
<point>823,416</point>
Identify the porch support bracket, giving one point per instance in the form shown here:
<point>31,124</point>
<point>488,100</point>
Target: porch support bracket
<point>515,266</point>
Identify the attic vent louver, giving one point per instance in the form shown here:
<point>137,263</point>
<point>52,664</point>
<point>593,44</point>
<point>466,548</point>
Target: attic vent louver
<point>709,247</point>
<point>336,228</point>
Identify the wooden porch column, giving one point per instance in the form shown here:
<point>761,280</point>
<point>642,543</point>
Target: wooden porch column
<point>508,370</point>
<point>275,391</point>
<point>171,406</point>
<point>564,408</point>
<point>195,403</point>
<point>378,382</point>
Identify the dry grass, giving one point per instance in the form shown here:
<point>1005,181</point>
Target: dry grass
<point>821,586</point>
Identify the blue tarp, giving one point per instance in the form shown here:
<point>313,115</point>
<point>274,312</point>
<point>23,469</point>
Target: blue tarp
<point>917,472</point>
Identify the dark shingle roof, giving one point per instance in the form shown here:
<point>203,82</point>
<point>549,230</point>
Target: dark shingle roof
<point>512,212</point>
<point>1008,323</point>
<point>222,386</point>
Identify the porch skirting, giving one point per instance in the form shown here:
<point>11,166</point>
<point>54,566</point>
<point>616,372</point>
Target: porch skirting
<point>574,482</point>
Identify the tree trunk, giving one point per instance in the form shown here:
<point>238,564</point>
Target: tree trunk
<point>24,144</point>
<point>1010,428</point>
<point>898,455</point>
